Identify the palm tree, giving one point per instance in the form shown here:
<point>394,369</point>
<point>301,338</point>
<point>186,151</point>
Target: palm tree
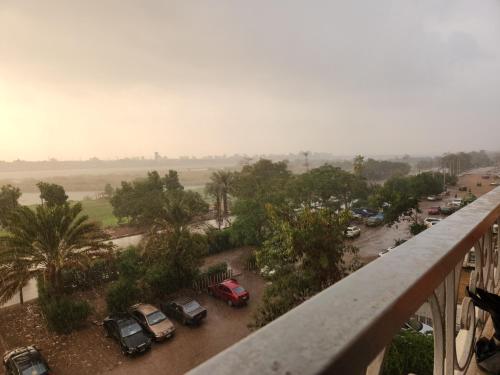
<point>223,181</point>
<point>44,243</point>
<point>214,189</point>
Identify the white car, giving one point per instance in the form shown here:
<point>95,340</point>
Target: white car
<point>352,232</point>
<point>457,203</point>
<point>414,325</point>
<point>495,228</point>
<point>386,251</point>
<point>430,221</point>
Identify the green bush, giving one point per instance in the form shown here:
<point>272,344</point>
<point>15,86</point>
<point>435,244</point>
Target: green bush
<point>161,280</point>
<point>64,315</point>
<point>216,268</point>
<point>121,295</point>
<point>410,352</point>
<point>219,240</point>
<point>416,228</point>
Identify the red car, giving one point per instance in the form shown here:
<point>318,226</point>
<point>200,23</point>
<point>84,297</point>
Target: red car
<point>230,291</point>
<point>434,210</point>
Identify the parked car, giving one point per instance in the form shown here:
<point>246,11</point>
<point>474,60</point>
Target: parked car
<point>352,232</point>
<point>494,183</point>
<point>462,188</point>
<point>434,210</point>
<point>485,177</point>
<point>230,291</point>
<point>434,198</point>
<point>495,228</point>
<point>448,210</point>
<point>414,325</point>
<point>375,220</point>
<point>457,202</point>
<point>389,249</point>
<point>153,321</point>
<point>431,221</point>
<point>128,333</point>
<point>25,361</point>
<point>364,212</point>
<point>185,310</point>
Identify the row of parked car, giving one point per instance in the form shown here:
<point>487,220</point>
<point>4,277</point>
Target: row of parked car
<point>369,217</point>
<point>142,323</point>
<point>136,329</point>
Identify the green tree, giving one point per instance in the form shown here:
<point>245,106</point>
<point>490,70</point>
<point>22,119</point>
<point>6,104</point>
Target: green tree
<point>108,191</point>
<point>219,187</point>
<point>45,242</point>
<point>9,197</point>
<point>172,182</point>
<point>410,353</point>
<point>140,201</point>
<point>52,194</point>
<point>258,184</point>
<point>327,186</point>
<point>172,258</point>
<point>306,252</point>
<point>126,291</point>
<point>377,170</point>
<point>180,208</point>
<point>358,164</point>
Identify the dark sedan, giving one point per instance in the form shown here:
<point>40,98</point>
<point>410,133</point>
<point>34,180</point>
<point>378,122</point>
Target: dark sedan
<point>185,310</point>
<point>25,360</point>
<point>129,334</point>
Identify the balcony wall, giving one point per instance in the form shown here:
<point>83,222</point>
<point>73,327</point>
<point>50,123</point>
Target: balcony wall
<point>343,329</point>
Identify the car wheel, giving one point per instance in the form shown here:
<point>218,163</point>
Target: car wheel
<point>229,302</point>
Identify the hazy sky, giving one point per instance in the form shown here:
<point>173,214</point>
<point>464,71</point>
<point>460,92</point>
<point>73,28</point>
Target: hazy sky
<point>124,78</point>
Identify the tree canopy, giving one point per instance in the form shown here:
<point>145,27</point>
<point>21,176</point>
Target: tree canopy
<point>9,197</point>
<point>52,194</point>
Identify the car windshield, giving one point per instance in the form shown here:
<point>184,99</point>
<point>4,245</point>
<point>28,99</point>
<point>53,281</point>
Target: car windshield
<point>415,324</point>
<point>156,317</point>
<point>239,289</point>
<point>130,330</point>
<point>191,306</point>
<point>35,369</point>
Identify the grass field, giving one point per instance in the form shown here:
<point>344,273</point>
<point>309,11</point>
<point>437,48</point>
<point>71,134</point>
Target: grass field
<point>100,210</point>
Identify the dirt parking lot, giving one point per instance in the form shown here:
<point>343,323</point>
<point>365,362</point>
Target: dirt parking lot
<point>89,352</point>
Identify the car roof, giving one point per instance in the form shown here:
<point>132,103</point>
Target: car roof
<point>144,308</point>
<point>24,357</point>
<point>183,300</point>
<point>122,319</point>
<point>230,283</point>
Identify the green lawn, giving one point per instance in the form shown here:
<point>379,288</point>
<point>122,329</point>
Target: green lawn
<point>100,210</point>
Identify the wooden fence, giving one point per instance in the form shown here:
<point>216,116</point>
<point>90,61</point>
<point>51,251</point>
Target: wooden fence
<point>203,282</point>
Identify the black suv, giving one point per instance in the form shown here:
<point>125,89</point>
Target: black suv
<point>26,360</point>
<point>186,310</point>
<point>129,334</point>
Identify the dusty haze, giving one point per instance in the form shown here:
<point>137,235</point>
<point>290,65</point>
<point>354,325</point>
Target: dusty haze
<point>124,78</point>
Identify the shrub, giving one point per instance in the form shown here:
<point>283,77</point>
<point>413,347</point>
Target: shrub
<point>219,240</point>
<point>410,352</point>
<point>161,280</point>
<point>121,295</point>
<point>63,314</point>
<point>416,228</point>
<point>216,268</point>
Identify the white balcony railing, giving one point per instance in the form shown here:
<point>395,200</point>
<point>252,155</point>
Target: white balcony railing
<point>343,329</point>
